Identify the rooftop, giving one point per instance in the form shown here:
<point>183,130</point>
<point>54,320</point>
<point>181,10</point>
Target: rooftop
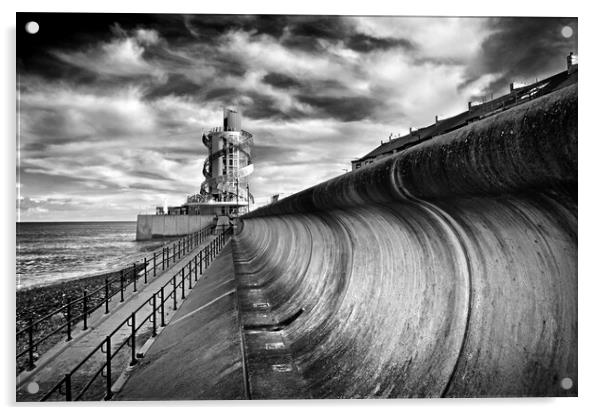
<point>476,112</point>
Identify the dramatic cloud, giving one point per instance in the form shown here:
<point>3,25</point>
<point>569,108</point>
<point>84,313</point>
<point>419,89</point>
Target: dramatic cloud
<point>522,49</point>
<point>112,107</point>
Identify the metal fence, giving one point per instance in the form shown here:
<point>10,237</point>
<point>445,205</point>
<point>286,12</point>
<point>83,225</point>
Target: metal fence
<point>63,320</point>
<point>97,382</point>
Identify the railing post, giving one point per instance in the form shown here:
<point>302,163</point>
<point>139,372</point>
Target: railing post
<point>179,250</point>
<point>109,393</point>
<point>167,256</point>
<point>30,335</point>
<point>68,319</point>
<point>154,264</point>
<point>175,294</point>
<point>135,275</point>
<point>133,340</point>
<point>183,284</point>
<point>163,260</point>
<point>201,260</point>
<point>68,396</point>
<point>106,295</point>
<point>121,281</point>
<point>145,272</point>
<point>174,253</point>
<point>85,309</point>
<point>190,274</point>
<point>154,314</point>
<point>162,307</point>
<point>196,267</point>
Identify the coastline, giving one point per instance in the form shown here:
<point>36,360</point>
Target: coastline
<point>35,302</point>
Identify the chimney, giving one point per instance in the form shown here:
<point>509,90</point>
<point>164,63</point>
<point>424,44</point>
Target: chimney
<point>571,63</point>
<point>515,85</point>
<point>469,105</point>
<point>436,119</point>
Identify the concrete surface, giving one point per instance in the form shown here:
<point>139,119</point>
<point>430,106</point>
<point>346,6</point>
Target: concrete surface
<point>150,226</point>
<point>198,355</point>
<point>446,270</point>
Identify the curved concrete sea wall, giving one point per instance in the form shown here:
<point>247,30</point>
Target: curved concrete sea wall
<point>448,269</point>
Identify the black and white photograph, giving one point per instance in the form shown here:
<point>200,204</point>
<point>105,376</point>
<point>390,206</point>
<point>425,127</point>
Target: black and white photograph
<point>218,207</point>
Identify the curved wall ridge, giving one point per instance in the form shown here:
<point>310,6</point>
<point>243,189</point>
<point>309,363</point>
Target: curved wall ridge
<point>533,145</point>
<point>449,269</point>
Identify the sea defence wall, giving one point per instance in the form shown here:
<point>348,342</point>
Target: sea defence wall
<point>156,226</point>
<point>446,270</point>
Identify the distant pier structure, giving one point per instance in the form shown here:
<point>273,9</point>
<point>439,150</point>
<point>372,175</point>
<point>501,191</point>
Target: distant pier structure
<point>223,195</point>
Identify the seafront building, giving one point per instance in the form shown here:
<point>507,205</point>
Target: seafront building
<point>223,195</point>
<point>476,111</point>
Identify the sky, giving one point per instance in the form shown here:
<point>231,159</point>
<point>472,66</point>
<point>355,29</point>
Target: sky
<point>112,107</point>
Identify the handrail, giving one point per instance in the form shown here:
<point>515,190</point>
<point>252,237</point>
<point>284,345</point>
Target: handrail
<point>105,293</point>
<point>194,266</point>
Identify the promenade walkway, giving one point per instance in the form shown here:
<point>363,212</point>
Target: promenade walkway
<point>50,370</point>
<point>220,344</point>
<point>199,354</point>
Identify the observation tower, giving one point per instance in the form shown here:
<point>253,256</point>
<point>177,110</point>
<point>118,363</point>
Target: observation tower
<point>225,190</point>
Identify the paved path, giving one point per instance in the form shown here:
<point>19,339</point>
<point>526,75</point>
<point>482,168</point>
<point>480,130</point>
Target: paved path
<point>210,349</point>
<point>49,372</point>
<point>199,354</point>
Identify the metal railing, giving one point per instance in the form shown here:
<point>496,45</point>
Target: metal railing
<point>79,309</point>
<point>74,387</point>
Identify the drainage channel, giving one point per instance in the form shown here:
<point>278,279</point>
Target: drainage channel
<point>268,365</point>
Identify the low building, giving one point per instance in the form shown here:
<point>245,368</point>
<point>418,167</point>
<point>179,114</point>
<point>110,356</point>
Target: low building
<point>518,94</point>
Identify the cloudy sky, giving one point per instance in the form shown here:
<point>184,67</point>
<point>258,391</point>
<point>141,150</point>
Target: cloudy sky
<point>112,107</point>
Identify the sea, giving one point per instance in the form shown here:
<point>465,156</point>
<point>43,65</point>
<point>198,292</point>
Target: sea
<point>49,252</point>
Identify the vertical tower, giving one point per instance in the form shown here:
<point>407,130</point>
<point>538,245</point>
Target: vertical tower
<point>226,169</point>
